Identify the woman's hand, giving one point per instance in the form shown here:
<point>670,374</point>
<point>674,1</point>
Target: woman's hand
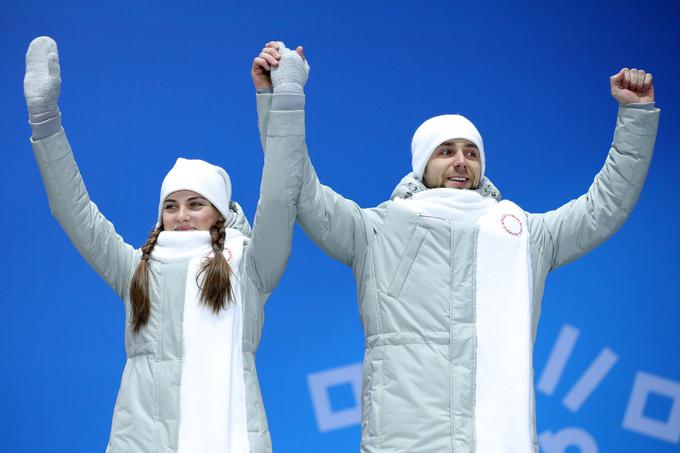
<point>292,72</point>
<point>42,82</point>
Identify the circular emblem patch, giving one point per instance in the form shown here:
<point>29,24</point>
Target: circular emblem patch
<point>512,224</point>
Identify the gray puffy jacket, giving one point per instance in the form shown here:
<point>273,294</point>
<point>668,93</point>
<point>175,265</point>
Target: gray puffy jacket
<point>416,289</point>
<point>146,415</point>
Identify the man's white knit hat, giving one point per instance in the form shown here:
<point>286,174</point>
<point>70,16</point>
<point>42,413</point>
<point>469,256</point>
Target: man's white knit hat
<point>438,130</point>
<point>208,180</point>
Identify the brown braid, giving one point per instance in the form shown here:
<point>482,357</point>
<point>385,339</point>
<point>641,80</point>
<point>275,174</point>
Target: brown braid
<point>217,284</point>
<point>139,286</point>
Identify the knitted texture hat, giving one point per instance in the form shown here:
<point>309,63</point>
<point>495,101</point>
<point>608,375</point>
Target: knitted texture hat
<point>207,180</point>
<point>438,130</point>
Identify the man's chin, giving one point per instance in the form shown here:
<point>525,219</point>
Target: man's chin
<point>446,184</point>
<point>454,185</point>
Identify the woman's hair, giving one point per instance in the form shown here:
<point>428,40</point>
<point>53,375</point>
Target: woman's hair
<point>216,282</point>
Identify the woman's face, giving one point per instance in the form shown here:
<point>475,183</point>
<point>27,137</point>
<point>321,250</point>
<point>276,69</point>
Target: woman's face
<point>185,210</point>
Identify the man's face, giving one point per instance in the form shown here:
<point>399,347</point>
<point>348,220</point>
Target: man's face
<point>454,164</point>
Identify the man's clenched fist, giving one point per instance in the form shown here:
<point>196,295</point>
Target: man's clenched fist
<point>632,86</point>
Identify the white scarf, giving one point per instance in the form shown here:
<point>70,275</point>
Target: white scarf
<point>448,203</point>
<point>503,304</point>
<point>212,392</point>
<point>503,398</point>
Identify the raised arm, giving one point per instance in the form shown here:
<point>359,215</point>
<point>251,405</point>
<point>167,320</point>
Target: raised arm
<point>582,224</point>
<point>93,236</point>
<point>283,141</point>
<point>335,224</point>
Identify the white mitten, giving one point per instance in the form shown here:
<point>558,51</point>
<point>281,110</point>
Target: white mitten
<point>288,80</point>
<point>291,74</point>
<point>42,84</point>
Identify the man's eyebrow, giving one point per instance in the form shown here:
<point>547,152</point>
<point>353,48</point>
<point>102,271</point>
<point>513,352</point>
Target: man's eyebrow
<point>465,145</point>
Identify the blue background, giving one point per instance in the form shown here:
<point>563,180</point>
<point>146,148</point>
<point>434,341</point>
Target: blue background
<point>146,82</point>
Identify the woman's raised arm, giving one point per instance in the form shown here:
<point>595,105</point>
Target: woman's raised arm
<point>93,235</point>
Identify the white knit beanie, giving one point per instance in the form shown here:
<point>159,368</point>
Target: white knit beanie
<point>208,180</point>
<point>438,130</point>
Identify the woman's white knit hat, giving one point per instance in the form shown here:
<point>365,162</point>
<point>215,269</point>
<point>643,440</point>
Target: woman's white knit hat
<point>208,180</point>
<point>438,130</point>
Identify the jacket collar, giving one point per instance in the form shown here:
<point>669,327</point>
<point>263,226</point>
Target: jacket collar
<point>410,185</point>
<point>237,219</point>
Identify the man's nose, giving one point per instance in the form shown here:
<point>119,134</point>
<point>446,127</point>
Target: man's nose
<point>459,159</point>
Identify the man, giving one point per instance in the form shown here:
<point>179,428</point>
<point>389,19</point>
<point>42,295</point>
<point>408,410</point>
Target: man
<point>450,281</point>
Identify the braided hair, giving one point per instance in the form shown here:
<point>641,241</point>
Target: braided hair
<point>139,286</point>
<point>216,286</point>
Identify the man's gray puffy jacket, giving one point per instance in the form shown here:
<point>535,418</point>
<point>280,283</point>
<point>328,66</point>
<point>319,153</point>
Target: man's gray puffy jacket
<point>416,288</point>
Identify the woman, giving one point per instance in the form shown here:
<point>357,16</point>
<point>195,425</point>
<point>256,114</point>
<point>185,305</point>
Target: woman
<point>194,293</point>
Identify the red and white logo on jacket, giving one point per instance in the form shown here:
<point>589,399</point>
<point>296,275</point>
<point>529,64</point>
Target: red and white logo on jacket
<point>512,224</point>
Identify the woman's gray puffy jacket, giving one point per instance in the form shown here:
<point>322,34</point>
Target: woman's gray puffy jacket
<point>416,288</point>
<point>146,415</point>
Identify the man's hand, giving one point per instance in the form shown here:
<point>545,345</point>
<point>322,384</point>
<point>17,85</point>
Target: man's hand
<point>632,86</point>
<point>263,64</point>
<point>42,82</point>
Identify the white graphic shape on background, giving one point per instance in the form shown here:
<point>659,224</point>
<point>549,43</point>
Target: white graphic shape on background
<point>557,361</point>
<point>665,428</point>
<point>561,351</point>
<point>566,438</point>
<point>589,381</point>
<point>635,419</point>
<point>319,383</point>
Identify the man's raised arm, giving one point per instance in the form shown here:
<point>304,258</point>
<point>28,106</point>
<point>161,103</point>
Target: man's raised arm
<point>584,223</point>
